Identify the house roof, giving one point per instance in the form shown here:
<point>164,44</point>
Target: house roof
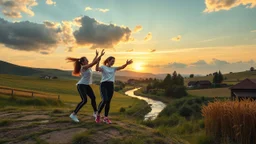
<point>245,84</point>
<point>192,82</point>
<point>204,82</point>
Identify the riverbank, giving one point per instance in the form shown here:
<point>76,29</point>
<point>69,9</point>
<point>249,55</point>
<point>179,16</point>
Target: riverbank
<point>156,106</point>
<point>163,99</point>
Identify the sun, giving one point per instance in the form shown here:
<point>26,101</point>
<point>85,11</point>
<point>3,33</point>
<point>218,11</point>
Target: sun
<point>138,66</point>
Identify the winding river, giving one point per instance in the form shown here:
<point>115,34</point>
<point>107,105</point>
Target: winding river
<point>156,106</point>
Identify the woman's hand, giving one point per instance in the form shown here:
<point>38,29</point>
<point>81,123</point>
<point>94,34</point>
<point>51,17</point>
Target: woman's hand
<point>102,53</point>
<point>129,62</point>
<point>97,53</point>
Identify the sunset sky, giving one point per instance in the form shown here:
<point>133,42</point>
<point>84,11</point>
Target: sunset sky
<point>189,36</point>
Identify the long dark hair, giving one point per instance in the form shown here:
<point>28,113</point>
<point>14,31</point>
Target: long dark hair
<point>77,64</point>
<point>108,59</point>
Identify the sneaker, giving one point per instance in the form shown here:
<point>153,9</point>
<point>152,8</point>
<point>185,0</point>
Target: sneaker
<point>74,118</point>
<point>94,114</point>
<point>107,121</point>
<point>97,119</point>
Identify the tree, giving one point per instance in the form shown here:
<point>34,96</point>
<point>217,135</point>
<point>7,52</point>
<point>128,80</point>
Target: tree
<point>252,69</point>
<point>167,81</point>
<point>215,77</point>
<point>148,87</point>
<point>220,77</point>
<point>180,80</point>
<point>191,75</point>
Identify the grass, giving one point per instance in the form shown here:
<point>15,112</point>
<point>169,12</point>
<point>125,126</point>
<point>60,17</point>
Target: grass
<point>66,89</point>
<point>214,92</point>
<point>232,78</point>
<point>7,100</point>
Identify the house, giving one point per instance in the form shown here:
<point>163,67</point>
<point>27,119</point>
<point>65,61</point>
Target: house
<point>244,89</point>
<point>200,84</point>
<point>203,84</point>
<point>192,84</point>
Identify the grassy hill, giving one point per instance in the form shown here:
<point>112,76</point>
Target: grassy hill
<point>12,69</point>
<point>232,78</point>
<point>66,89</point>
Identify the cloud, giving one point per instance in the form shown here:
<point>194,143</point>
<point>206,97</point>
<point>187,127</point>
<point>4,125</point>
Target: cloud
<point>201,67</point>
<point>96,9</point>
<point>199,63</point>
<point>14,8</point>
<point>177,38</point>
<point>99,35</point>
<point>175,65</point>
<point>102,10</point>
<point>137,28</point>
<point>151,50</point>
<point>67,36</point>
<point>217,5</point>
<point>253,31</point>
<point>129,50</point>
<point>28,36</point>
<point>51,24</point>
<point>152,66</point>
<point>88,9</point>
<point>219,62</point>
<point>148,37</point>
<point>50,2</point>
<point>77,21</point>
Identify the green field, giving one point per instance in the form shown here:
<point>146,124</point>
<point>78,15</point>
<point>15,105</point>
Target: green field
<point>66,89</point>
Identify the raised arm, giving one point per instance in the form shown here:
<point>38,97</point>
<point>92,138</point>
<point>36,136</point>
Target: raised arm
<point>95,60</point>
<point>97,66</point>
<point>123,66</point>
<point>97,53</point>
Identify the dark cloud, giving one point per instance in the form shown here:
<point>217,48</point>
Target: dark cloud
<point>98,35</point>
<point>28,36</point>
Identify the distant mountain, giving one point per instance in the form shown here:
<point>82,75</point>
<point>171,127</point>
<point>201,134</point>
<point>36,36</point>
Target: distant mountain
<point>8,68</point>
<point>124,75</point>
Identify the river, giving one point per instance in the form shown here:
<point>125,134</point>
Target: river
<point>156,106</point>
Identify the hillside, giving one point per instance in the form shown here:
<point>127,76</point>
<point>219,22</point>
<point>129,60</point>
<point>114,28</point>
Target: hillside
<point>231,78</point>
<point>47,124</point>
<point>12,69</point>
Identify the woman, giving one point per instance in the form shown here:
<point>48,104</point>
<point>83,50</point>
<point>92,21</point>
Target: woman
<point>107,85</point>
<point>83,68</point>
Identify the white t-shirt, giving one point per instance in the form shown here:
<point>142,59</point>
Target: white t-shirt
<point>108,73</point>
<point>86,76</point>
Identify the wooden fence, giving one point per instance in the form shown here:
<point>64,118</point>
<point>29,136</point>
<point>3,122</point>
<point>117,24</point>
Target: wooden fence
<point>17,92</point>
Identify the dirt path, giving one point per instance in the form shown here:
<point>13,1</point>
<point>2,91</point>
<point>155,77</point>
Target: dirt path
<point>56,127</point>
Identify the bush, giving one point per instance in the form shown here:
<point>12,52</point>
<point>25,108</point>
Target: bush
<point>185,111</point>
<point>168,111</point>
<point>176,91</point>
<point>122,110</point>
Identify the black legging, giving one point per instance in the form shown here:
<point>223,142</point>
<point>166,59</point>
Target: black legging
<point>83,91</point>
<point>106,92</point>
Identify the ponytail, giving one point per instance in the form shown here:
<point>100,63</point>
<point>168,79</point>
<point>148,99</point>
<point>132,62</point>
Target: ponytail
<point>77,65</point>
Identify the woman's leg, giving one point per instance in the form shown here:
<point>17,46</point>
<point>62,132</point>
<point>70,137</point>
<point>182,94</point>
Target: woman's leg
<point>82,91</point>
<point>90,93</point>
<point>104,95</point>
<point>110,95</point>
